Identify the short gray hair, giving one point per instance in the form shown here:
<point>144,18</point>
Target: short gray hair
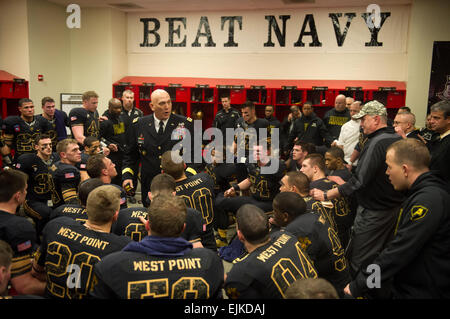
<point>441,106</point>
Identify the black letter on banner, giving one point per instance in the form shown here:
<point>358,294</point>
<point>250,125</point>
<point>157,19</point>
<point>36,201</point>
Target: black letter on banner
<point>147,31</point>
<point>309,19</point>
<point>374,31</point>
<point>231,20</point>
<point>281,36</point>
<point>340,37</point>
<point>176,31</point>
<point>207,33</point>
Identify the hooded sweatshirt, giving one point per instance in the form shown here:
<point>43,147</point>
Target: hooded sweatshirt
<point>417,261</point>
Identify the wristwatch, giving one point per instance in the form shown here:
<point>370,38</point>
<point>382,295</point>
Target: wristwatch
<point>325,196</point>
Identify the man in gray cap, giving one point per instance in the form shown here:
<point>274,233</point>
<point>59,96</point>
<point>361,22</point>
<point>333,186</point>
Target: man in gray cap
<point>378,201</point>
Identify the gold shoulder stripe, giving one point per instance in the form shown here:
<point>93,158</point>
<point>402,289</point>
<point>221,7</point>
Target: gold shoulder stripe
<point>20,265</point>
<point>191,170</point>
<point>127,170</point>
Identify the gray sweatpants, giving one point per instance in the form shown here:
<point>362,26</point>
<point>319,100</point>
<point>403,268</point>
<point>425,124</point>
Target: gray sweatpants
<point>371,231</point>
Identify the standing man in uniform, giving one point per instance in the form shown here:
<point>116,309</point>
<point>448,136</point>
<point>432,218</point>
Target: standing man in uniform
<point>84,121</point>
<point>440,146</point>
<point>226,117</point>
<point>58,119</point>
<point>129,113</point>
<point>416,263</point>
<point>151,136</point>
<point>378,201</point>
<point>112,133</point>
<point>335,118</point>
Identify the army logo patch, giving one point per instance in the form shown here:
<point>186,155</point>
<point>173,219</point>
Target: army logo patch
<point>304,242</point>
<point>418,212</point>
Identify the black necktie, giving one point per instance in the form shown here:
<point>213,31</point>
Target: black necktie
<point>161,128</point>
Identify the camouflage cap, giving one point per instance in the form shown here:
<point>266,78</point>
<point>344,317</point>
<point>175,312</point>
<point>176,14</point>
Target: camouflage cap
<point>371,108</point>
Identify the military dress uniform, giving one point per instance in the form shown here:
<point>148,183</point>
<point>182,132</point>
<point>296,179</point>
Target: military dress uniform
<point>146,146</point>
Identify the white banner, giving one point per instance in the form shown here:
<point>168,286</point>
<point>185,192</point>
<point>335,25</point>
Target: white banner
<point>319,30</point>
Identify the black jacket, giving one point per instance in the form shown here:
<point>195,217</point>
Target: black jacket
<point>417,261</point>
<point>308,129</point>
<point>440,157</point>
<point>334,120</point>
<point>370,183</point>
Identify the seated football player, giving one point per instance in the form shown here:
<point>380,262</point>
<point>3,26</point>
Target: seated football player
<point>299,151</point>
<point>41,191</point>
<point>91,146</point>
<point>262,182</point>
<point>274,261</point>
<point>196,190</point>
<point>19,233</point>
<point>163,264</point>
<point>314,168</point>
<point>100,166</point>
<point>316,236</point>
<point>132,222</point>
<point>70,249</point>
<point>78,211</point>
<point>66,175</point>
<point>223,174</point>
<point>335,163</point>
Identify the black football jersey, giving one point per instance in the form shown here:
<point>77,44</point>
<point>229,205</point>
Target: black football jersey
<point>66,178</point>
<point>270,269</point>
<point>198,193</point>
<point>89,120</point>
<point>20,134</point>
<point>40,180</point>
<point>69,252</point>
<point>223,175</point>
<point>265,186</point>
<point>52,132</point>
<point>74,211</point>
<point>340,209</point>
<point>20,234</point>
<point>244,140</point>
<point>321,242</point>
<point>197,274</point>
<point>129,224</point>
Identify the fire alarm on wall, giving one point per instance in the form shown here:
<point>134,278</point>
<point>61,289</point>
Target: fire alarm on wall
<point>40,77</point>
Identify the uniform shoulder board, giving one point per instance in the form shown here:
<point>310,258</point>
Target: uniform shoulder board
<point>135,119</point>
<point>189,119</point>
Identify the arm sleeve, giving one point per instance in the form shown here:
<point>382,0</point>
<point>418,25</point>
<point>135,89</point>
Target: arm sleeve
<point>366,171</point>
<point>416,224</point>
<point>131,156</point>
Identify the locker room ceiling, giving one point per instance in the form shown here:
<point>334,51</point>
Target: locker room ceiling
<point>222,5</point>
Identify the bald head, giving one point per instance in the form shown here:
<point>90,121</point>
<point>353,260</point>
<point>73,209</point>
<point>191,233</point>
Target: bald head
<point>161,104</point>
<point>348,101</point>
<point>340,103</point>
<point>114,107</point>
<point>405,121</point>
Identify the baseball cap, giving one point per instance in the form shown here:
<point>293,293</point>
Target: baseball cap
<point>371,108</point>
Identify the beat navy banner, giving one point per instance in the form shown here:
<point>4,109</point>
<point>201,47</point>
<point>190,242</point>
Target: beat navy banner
<point>307,30</point>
